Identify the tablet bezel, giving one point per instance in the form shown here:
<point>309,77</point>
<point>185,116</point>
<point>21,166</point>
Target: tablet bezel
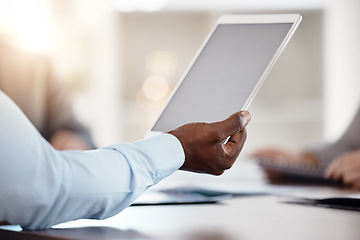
<point>294,19</point>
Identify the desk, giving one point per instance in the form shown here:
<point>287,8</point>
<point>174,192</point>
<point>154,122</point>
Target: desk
<point>249,218</point>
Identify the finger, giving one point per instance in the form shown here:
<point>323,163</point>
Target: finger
<point>350,177</point>
<point>235,123</point>
<point>331,170</point>
<point>351,173</point>
<point>235,144</point>
<point>336,173</point>
<point>217,173</point>
<point>237,137</point>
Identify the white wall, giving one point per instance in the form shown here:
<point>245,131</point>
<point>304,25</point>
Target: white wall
<point>342,64</point>
<point>103,106</point>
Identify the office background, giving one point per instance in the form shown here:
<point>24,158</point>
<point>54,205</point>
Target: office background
<point>120,60</point>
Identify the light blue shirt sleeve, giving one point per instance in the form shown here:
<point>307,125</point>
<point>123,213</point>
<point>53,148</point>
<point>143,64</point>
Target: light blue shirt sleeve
<point>41,187</point>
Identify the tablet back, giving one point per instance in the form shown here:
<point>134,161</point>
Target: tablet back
<point>228,69</point>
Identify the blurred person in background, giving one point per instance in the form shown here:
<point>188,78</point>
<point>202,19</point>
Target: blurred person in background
<point>340,159</point>
<point>28,79</point>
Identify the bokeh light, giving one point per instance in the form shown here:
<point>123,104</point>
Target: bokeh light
<point>28,23</point>
<point>155,88</point>
<point>161,62</point>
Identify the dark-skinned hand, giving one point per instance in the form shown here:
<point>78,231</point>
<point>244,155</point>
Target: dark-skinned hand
<point>213,147</point>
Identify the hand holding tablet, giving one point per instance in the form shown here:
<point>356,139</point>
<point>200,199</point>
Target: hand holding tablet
<point>204,144</point>
<point>223,78</point>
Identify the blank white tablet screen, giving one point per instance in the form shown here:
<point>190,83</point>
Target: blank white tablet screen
<point>224,74</point>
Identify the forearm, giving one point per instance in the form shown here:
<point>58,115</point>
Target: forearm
<point>40,187</point>
<point>116,175</point>
<point>326,153</point>
<point>93,184</point>
<point>349,141</point>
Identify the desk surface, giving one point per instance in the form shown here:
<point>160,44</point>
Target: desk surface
<point>250,218</point>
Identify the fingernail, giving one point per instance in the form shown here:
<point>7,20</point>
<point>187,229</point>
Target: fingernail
<point>247,116</point>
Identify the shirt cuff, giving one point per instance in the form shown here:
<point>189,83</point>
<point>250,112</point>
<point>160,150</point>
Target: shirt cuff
<point>167,152</point>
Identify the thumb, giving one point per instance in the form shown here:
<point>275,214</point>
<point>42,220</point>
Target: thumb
<point>233,124</point>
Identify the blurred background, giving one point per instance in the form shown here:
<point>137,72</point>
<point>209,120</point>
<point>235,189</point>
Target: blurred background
<point>119,60</point>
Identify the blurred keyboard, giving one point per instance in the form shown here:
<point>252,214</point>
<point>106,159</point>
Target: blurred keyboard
<point>294,170</point>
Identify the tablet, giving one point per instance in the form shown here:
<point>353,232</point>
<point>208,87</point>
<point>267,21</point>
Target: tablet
<point>228,69</point>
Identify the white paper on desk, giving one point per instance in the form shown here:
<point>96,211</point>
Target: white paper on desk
<point>178,196</point>
<point>205,193</point>
<point>233,188</point>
